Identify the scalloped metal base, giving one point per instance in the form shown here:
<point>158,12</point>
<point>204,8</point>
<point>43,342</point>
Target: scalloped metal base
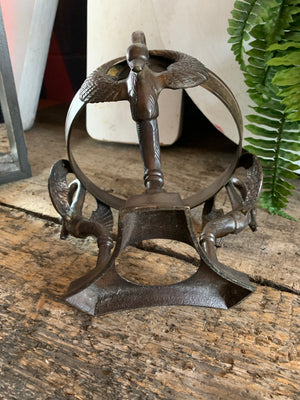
<point>113,293</point>
<point>103,290</point>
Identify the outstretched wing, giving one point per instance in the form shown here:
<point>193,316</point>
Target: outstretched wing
<point>253,181</point>
<point>104,218</point>
<point>182,71</point>
<point>106,83</point>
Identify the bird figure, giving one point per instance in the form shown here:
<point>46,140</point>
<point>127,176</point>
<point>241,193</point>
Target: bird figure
<point>139,78</point>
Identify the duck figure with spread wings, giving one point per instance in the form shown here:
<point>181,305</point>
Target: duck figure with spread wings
<point>140,79</point>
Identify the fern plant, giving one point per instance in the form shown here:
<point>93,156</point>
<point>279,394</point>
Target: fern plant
<point>265,37</point>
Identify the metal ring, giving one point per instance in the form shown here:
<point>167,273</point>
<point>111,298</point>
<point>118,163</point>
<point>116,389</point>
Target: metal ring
<point>213,84</point>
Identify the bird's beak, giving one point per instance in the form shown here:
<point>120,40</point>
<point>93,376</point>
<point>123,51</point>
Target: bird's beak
<point>138,65</point>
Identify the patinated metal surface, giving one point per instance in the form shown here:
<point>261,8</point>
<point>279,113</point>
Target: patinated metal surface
<point>139,78</point>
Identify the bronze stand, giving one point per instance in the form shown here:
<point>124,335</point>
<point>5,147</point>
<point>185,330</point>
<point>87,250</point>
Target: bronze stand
<point>139,78</point>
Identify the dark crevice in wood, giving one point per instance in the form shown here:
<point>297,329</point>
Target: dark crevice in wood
<point>267,282</point>
<point>256,279</point>
<point>32,213</point>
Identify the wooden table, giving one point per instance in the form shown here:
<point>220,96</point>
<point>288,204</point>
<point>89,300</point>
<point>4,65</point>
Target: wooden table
<point>51,351</point>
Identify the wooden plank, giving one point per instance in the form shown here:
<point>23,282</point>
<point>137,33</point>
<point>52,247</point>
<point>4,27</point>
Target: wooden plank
<point>49,350</point>
<point>269,255</point>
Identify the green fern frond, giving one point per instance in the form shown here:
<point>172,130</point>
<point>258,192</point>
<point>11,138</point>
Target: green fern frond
<point>271,69</point>
<point>244,17</point>
<point>290,79</point>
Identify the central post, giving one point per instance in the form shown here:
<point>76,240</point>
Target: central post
<point>144,87</point>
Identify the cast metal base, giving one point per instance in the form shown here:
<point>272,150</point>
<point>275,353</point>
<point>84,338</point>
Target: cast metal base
<point>113,293</point>
<point>103,290</point>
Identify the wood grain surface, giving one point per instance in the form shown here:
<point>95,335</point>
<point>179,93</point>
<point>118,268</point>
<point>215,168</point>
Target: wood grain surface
<point>51,351</point>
